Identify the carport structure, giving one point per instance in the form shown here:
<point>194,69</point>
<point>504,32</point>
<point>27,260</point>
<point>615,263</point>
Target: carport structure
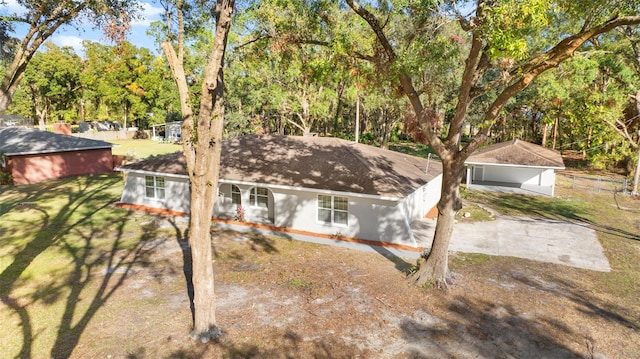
<point>514,166</point>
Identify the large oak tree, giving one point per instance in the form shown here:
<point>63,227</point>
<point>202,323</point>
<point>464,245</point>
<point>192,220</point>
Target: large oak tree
<point>499,65</point>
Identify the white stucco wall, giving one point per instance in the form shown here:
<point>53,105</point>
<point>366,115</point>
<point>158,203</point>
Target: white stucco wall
<point>177,194</point>
<point>369,218</point>
<point>420,202</point>
<point>372,219</point>
<point>432,192</point>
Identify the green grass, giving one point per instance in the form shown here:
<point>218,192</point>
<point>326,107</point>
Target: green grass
<point>475,214</point>
<point>300,283</point>
<point>143,148</point>
<point>59,240</point>
<point>529,206</point>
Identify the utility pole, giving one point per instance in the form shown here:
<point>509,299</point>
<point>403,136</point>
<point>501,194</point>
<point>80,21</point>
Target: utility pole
<point>636,178</point>
<point>357,116</point>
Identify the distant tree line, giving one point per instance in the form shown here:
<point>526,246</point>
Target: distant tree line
<point>281,80</point>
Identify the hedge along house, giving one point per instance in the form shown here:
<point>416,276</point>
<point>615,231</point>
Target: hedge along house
<point>323,187</point>
<point>514,166</point>
<point>32,156</point>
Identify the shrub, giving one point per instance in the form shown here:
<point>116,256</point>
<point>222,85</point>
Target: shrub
<point>5,178</point>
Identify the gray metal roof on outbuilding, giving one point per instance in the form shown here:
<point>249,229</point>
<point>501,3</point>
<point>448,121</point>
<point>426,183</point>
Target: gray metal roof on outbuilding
<point>16,141</point>
<point>310,162</point>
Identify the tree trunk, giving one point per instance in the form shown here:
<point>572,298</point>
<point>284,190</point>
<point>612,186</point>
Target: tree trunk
<point>126,114</point>
<point>555,133</point>
<point>202,145</point>
<point>636,177</point>
<point>5,101</point>
<point>203,160</point>
<point>433,266</point>
<point>589,134</point>
<point>357,117</point>
<point>12,79</point>
<point>204,302</point>
<point>82,109</point>
<point>384,140</point>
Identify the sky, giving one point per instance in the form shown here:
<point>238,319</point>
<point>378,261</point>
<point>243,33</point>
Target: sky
<point>70,36</point>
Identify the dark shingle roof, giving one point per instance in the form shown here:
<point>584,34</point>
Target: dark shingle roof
<point>25,141</point>
<point>517,153</point>
<point>311,162</point>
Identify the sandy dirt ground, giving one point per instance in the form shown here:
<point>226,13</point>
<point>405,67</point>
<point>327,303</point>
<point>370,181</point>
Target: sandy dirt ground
<point>278,298</point>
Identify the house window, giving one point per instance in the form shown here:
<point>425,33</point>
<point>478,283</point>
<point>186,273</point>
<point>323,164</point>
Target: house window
<point>259,197</point>
<point>154,187</point>
<point>333,209</point>
<point>235,195</point>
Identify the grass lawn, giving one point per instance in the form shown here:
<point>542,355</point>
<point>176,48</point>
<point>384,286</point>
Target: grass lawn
<point>143,148</point>
<point>80,278</point>
<point>64,252</point>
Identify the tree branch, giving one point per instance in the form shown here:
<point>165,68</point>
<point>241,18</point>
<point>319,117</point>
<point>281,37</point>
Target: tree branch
<point>259,38</point>
<point>425,118</point>
<point>532,69</point>
<point>622,129</point>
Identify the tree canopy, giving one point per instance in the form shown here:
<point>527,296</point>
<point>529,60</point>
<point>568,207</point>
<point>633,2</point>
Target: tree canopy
<point>44,17</point>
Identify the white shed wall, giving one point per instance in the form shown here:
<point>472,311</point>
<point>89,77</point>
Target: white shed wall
<point>512,174</point>
<point>548,178</point>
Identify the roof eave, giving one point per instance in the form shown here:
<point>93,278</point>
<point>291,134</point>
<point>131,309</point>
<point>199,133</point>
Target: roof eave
<point>512,165</point>
<point>8,154</point>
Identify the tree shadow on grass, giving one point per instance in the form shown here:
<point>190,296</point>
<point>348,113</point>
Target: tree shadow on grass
<point>484,329</point>
<point>182,236</point>
<point>113,267</point>
<point>93,241</point>
<point>257,242</point>
<point>285,344</point>
<point>587,304</point>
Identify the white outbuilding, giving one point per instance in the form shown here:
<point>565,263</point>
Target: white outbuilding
<point>518,165</point>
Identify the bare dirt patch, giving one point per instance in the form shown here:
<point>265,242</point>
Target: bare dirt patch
<point>285,299</point>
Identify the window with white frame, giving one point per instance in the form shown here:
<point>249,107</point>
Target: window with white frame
<point>259,197</point>
<point>333,209</point>
<point>236,198</point>
<point>154,187</point>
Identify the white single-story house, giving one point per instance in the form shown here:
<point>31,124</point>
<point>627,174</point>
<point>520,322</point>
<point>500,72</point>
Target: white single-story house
<point>514,164</point>
<point>317,186</point>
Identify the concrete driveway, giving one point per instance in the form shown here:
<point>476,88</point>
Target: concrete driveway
<point>541,240</point>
